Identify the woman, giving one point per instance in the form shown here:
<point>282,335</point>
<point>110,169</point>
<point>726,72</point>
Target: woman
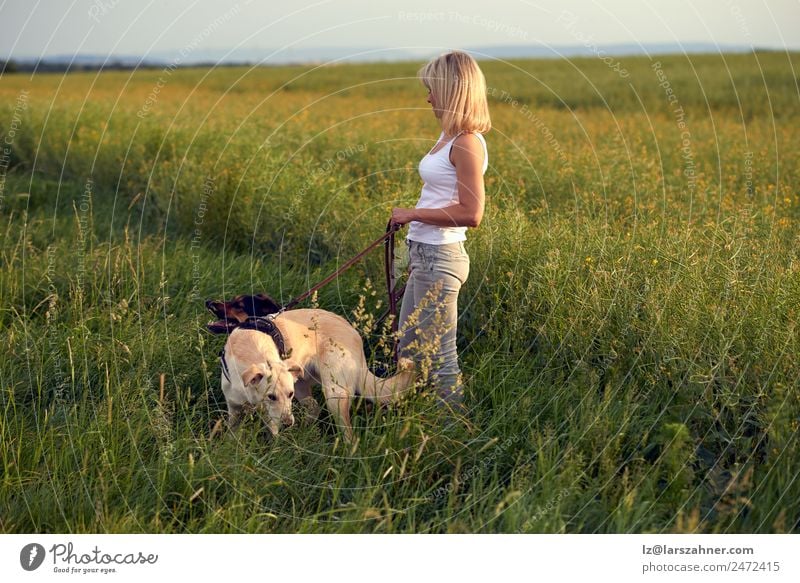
<point>452,200</point>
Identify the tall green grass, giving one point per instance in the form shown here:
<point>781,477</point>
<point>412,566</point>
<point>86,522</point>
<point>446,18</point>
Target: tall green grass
<point>629,339</point>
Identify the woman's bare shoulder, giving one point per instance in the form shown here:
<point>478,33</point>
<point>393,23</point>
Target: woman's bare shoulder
<point>467,146</point>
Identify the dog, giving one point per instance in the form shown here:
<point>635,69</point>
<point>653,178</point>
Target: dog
<point>235,311</point>
<point>311,347</point>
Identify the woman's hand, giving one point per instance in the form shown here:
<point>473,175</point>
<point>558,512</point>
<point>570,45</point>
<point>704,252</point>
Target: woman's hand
<point>401,216</point>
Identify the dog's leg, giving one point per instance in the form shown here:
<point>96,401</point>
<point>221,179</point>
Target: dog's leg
<point>302,392</point>
<point>337,398</point>
<point>234,411</point>
<point>234,415</point>
<point>312,410</point>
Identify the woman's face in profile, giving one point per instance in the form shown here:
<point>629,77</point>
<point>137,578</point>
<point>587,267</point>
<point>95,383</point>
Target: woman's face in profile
<point>436,111</point>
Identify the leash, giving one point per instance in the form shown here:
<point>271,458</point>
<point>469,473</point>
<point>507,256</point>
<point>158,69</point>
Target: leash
<point>388,236</point>
<point>266,324</point>
<point>388,261</point>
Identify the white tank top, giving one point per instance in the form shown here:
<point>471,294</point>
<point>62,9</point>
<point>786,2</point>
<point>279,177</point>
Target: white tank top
<point>440,189</point>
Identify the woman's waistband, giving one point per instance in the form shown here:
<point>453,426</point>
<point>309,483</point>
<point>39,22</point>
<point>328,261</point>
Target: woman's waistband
<point>455,245</point>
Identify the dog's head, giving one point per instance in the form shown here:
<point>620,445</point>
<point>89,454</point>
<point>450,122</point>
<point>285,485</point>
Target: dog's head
<point>239,309</point>
<point>270,386</point>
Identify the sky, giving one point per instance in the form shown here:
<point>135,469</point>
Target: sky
<point>35,28</point>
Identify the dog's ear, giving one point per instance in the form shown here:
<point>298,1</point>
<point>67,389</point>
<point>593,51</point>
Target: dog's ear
<point>222,326</point>
<point>257,305</point>
<point>252,376</point>
<point>241,307</point>
<point>295,369</point>
<point>266,305</point>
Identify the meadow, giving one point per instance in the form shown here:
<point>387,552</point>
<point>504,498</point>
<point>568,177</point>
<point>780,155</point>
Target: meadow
<point>627,333</point>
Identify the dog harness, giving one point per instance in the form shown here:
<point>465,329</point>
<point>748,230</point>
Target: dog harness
<point>266,325</point>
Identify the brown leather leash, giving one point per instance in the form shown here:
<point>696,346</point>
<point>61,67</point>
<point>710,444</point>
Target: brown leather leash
<point>388,240</point>
<point>394,295</point>
<point>388,261</point>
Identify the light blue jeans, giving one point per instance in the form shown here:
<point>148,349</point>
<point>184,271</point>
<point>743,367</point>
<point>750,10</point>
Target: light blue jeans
<point>429,314</point>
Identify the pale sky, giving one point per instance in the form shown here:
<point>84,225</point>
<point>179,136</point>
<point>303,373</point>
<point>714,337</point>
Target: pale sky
<point>33,28</point>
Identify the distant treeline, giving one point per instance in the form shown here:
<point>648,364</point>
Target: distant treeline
<point>46,66</point>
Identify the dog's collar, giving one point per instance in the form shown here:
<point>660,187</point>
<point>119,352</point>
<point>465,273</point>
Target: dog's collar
<point>224,364</point>
<point>267,325</point>
<point>263,324</point>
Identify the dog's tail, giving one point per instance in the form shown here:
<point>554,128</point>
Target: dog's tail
<point>389,390</point>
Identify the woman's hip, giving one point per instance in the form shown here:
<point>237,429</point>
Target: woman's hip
<point>449,259</point>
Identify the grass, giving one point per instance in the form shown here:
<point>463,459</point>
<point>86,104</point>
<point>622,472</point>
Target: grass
<point>628,330</point>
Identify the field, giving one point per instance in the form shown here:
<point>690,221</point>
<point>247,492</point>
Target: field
<point>628,331</point>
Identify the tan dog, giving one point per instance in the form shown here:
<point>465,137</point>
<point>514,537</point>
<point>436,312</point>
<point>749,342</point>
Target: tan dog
<point>321,348</point>
<point>254,376</point>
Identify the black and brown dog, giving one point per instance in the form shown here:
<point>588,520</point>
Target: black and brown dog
<point>318,347</point>
<point>233,312</point>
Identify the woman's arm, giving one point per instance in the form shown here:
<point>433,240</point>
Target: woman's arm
<point>467,156</point>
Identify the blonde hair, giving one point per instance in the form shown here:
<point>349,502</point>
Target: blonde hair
<point>459,88</point>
